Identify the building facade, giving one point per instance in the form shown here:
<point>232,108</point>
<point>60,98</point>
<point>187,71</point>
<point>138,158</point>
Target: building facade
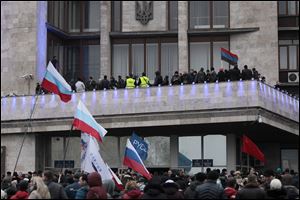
<point>201,121</point>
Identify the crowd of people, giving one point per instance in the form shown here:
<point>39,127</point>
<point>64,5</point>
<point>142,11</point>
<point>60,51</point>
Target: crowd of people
<point>193,77</point>
<point>214,184</point>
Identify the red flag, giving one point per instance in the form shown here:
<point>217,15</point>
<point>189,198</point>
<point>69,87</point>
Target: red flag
<point>250,148</point>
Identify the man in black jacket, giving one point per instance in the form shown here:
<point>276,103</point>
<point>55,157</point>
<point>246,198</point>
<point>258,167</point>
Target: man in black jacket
<point>210,189</point>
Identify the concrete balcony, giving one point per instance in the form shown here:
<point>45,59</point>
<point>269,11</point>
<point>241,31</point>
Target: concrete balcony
<point>212,103</point>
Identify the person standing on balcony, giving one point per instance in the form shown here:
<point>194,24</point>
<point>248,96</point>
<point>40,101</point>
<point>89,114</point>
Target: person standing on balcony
<point>130,82</point>
<point>143,81</point>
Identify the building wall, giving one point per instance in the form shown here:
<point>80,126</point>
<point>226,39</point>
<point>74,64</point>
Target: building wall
<point>258,49</point>
<point>27,157</point>
<point>159,22</point>
<point>18,46</point>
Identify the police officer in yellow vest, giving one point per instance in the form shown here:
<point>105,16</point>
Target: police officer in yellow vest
<point>130,82</point>
<point>143,81</point>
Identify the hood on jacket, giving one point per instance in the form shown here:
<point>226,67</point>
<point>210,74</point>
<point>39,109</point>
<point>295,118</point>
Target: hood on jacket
<point>94,179</point>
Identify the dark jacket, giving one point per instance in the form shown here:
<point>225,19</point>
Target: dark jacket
<point>104,83</point>
<point>158,80</point>
<point>235,74</point>
<point>246,74</point>
<point>72,189</point>
<point>96,190</point>
<point>221,76</point>
<point>209,190</point>
<point>251,191</point>
<point>175,80</point>
<point>190,192</point>
<point>56,190</point>
<point>292,191</point>
<point>81,193</point>
<point>200,77</point>
<point>276,194</point>
<point>153,191</point>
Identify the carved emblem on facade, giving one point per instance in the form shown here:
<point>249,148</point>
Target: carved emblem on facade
<point>144,12</point>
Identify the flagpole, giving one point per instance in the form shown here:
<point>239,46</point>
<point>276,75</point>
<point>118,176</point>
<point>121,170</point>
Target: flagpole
<point>29,124</point>
<point>67,148</point>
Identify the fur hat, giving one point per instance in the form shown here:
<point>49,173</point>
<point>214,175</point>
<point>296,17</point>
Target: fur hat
<point>275,184</point>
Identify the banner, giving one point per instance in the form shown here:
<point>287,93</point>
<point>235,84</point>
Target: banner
<point>140,146</point>
<point>91,159</point>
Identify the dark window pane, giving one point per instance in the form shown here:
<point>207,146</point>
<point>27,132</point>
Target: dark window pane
<point>220,14</point>
<point>116,18</point>
<point>72,67</point>
<point>292,57</point>
<point>282,7</point>
<point>92,16</point>
<point>199,14</point>
<point>91,62</point>
<point>199,55</point>
<point>173,15</point>
<point>74,16</point>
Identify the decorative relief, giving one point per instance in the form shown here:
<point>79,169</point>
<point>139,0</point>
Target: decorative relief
<point>144,11</point>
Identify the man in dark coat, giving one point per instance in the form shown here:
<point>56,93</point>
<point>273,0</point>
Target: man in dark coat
<point>96,190</point>
<point>210,189</point>
<point>172,190</point>
<point>154,190</point>
<point>251,190</point>
<point>158,79</point>
<point>56,190</point>
<point>246,73</point>
<point>190,192</point>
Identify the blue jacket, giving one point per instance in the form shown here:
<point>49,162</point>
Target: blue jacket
<point>81,193</point>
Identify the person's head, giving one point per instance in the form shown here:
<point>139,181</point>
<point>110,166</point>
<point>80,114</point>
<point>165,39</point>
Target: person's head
<point>131,185</point>
<point>48,175</point>
<point>176,73</point>
<point>213,175</point>
<point>245,67</point>
<point>252,178</point>
<point>221,69</point>
<point>287,179</point>
<point>208,170</point>
<point>94,179</point>
<point>275,184</point>
<point>231,182</point>
<point>202,69</point>
<point>119,77</point>
<point>105,77</point>
<point>91,78</point>
<point>157,73</point>
<point>83,180</point>
<point>212,69</point>
<point>23,185</point>
<point>130,75</point>
<point>200,177</point>
<point>269,175</point>
<point>170,173</point>
<point>253,69</point>
<point>143,74</point>
<point>8,173</point>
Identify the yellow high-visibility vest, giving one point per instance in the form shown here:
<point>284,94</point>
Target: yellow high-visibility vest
<point>144,81</point>
<point>130,83</point>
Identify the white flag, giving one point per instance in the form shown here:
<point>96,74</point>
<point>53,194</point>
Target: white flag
<point>91,159</point>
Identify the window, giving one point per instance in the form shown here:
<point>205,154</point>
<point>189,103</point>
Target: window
<point>120,62</point>
<point>75,16</point>
<point>116,15</point>
<point>288,8</point>
<point>152,59</point>
<point>92,16</point>
<point>220,14</point>
<point>208,14</point>
<point>288,55</point>
<point>137,59</point>
<point>169,59</point>
<point>173,15</point>
<point>206,52</point>
<point>199,55</point>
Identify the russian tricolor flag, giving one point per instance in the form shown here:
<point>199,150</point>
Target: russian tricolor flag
<point>84,121</point>
<point>228,56</point>
<point>133,160</point>
<point>54,82</point>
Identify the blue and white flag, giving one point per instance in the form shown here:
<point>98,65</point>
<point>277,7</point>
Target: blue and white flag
<point>91,159</point>
<point>140,146</point>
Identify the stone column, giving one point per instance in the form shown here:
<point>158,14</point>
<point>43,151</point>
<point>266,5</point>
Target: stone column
<point>231,152</point>
<point>174,148</point>
<point>105,27</point>
<point>182,36</point>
